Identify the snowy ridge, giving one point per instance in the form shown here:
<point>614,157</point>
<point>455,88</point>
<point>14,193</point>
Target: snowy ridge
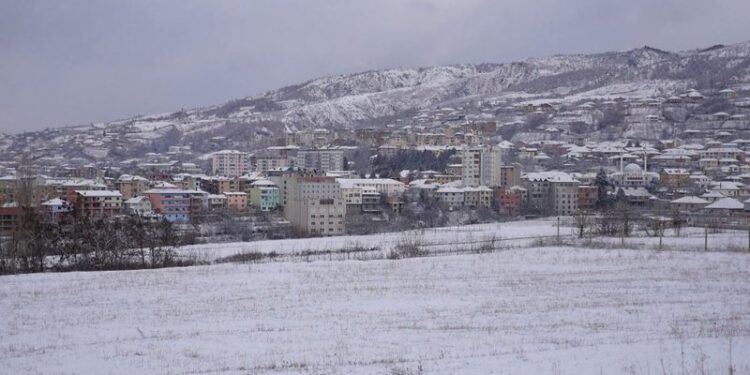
<point>376,98</point>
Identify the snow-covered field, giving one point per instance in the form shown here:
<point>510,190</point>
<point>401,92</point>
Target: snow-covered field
<point>514,232</point>
<point>508,235</point>
<point>541,311</point>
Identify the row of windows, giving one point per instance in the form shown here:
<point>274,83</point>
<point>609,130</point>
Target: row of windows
<point>323,223</point>
<point>313,230</point>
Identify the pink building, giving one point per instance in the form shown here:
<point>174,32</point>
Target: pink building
<point>176,205</point>
<point>236,201</point>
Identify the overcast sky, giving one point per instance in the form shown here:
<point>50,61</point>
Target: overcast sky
<point>65,62</point>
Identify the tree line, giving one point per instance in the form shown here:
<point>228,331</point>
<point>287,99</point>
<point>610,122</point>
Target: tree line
<point>82,244</point>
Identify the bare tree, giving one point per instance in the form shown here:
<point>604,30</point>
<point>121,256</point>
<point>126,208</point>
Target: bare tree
<point>582,222</point>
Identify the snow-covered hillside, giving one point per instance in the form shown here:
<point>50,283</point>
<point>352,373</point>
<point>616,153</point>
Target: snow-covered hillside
<point>381,97</point>
<point>540,311</point>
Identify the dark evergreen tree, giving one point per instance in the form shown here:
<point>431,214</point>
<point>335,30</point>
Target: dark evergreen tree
<point>602,187</point>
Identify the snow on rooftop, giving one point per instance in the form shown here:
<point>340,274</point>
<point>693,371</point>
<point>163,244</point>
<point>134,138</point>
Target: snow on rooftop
<point>55,202</point>
<point>263,182</point>
<point>726,204</point>
<point>99,193</point>
<point>553,176</point>
<point>690,200</point>
<point>353,182</point>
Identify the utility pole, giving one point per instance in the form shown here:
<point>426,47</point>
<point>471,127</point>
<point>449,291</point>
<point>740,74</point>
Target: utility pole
<point>661,232</point>
<point>558,230</point>
<point>705,237</point>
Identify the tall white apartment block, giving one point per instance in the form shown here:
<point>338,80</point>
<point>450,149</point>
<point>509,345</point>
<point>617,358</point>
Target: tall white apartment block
<point>314,205</point>
<point>481,166</point>
<point>230,163</point>
<point>322,160</point>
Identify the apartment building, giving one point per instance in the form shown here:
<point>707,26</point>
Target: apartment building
<point>264,195</point>
<point>98,203</point>
<point>54,209</point>
<point>510,201</point>
<point>314,205</point>
<point>510,175</point>
<point>587,197</point>
<point>217,202</point>
<point>385,186</point>
<point>321,160</point>
<point>477,196</point>
<point>674,177</point>
<point>553,192</point>
<point>270,162</point>
<point>68,189</point>
<point>131,186</point>
<point>176,205</point>
<point>723,153</point>
<point>230,163</point>
<point>236,201</point>
<point>464,196</point>
<point>481,166</point>
<point>138,206</point>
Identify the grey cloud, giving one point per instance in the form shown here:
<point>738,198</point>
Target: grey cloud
<point>84,61</point>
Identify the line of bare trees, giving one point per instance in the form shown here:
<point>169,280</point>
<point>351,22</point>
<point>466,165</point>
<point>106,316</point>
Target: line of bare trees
<point>38,245</point>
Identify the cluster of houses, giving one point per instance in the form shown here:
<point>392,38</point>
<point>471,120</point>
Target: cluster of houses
<point>698,168</point>
<point>316,192</point>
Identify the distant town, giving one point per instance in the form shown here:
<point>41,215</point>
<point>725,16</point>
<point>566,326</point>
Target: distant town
<point>438,169</point>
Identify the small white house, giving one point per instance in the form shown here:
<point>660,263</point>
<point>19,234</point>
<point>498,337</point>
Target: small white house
<point>139,206</point>
<point>54,208</point>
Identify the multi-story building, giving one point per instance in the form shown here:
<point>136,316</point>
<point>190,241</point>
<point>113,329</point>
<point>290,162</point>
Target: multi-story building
<point>674,177</point>
<point>464,196</point>
<point>510,201</point>
<point>236,201</point>
<point>264,195</point>
<point>552,192</point>
<point>230,163</point>
<point>219,184</point>
<point>9,217</point>
<point>314,204</point>
<point>450,196</point>
<point>187,181</point>
<point>217,202</point>
<point>510,175</point>
<point>723,153</point>
<point>321,160</point>
<point>445,178</point>
<point>176,205</point>
<point>67,189</point>
<point>270,162</point>
<point>98,203</point>
<point>138,206</point>
<point>587,196</point>
<point>384,186</point>
<point>368,194</point>
<point>54,209</point>
<point>371,201</point>
<point>477,196</point>
<point>481,166</point>
<point>131,186</point>
<point>39,191</point>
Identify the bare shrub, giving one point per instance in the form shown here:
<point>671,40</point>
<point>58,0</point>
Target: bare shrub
<point>487,246</point>
<point>248,257</point>
<point>419,370</point>
<point>409,246</point>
